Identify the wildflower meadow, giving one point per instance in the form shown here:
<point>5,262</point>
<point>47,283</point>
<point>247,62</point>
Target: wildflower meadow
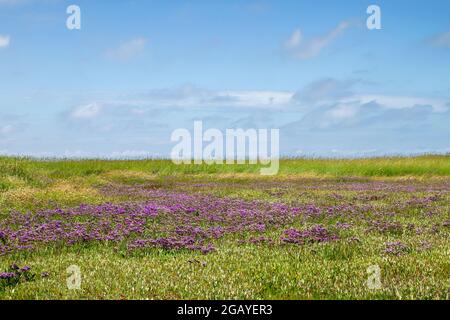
<point>150,229</point>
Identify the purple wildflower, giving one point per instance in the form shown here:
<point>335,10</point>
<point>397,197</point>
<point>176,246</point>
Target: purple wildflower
<point>7,275</point>
<point>343,225</point>
<point>396,248</point>
<point>316,233</point>
<point>386,227</point>
<point>25,269</point>
<point>14,266</point>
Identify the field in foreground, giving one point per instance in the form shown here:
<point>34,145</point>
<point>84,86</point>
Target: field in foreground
<point>153,230</point>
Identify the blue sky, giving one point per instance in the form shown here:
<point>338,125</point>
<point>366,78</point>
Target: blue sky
<point>137,70</point>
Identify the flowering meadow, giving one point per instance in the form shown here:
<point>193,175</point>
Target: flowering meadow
<point>152,230</point>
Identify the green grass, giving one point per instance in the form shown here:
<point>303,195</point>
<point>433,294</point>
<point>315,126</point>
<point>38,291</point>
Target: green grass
<point>318,271</point>
<point>34,171</point>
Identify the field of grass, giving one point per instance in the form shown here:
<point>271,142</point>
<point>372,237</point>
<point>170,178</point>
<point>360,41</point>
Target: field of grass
<point>150,229</point>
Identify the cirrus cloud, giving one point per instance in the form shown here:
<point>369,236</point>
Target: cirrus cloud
<point>87,111</point>
<point>128,50</point>
<point>297,48</point>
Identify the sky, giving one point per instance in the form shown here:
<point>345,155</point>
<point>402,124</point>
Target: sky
<point>138,70</point>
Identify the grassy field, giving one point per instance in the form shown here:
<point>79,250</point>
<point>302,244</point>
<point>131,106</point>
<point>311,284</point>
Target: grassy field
<point>151,229</point>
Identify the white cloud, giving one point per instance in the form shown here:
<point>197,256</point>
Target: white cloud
<point>194,97</point>
<point>325,89</point>
<point>128,50</point>
<point>400,102</point>
<point>330,103</point>
<point>296,47</point>
<point>85,111</point>
<point>342,112</point>
<point>335,99</point>
<point>294,40</point>
<point>4,41</point>
<point>6,129</point>
<point>441,40</point>
<point>327,92</point>
<point>363,113</point>
<point>274,99</point>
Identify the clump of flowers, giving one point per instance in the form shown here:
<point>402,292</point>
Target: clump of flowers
<point>3,237</point>
<point>15,275</point>
<point>425,245</point>
<point>317,233</point>
<point>386,227</point>
<point>435,229</point>
<point>423,202</point>
<point>261,240</point>
<point>343,225</point>
<point>396,248</point>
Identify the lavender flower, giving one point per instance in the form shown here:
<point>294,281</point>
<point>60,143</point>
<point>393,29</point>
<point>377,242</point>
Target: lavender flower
<point>386,227</point>
<point>316,233</point>
<point>396,248</point>
<point>7,275</point>
<point>25,269</point>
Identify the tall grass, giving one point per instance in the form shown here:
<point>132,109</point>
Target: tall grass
<point>34,171</point>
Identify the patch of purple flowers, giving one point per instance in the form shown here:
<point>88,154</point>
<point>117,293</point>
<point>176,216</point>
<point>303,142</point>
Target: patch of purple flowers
<point>316,233</point>
<point>7,275</point>
<point>396,248</point>
<point>343,225</point>
<point>178,220</point>
<point>15,275</point>
<point>167,220</point>
<point>386,227</point>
